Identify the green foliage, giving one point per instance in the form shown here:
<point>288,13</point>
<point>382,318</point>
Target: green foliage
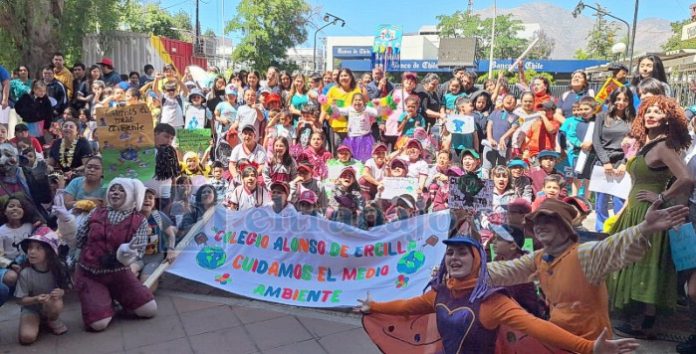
<point>675,42</point>
<point>601,38</point>
<point>150,18</point>
<point>268,29</point>
<point>581,54</point>
<point>462,24</point>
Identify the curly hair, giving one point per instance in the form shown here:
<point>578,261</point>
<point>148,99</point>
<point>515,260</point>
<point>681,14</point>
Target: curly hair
<point>677,131</point>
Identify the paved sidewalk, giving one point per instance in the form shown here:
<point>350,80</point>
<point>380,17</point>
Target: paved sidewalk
<point>190,323</point>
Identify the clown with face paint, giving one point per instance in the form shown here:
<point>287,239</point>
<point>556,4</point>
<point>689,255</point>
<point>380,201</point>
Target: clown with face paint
<point>469,310</point>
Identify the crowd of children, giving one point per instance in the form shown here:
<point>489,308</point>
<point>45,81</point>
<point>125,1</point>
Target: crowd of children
<point>325,145</point>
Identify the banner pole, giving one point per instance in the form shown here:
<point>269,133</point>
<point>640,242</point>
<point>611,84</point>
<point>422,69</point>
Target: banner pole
<point>152,279</point>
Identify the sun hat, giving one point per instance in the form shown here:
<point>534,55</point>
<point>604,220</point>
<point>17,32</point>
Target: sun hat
<point>42,234</point>
<point>561,211</point>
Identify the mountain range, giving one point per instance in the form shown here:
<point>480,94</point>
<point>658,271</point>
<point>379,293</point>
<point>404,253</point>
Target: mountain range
<point>571,33</point>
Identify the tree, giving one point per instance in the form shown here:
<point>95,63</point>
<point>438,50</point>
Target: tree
<point>543,49</point>
<point>581,54</point>
<point>602,36</point>
<point>675,42</point>
<point>268,29</point>
<point>182,21</point>
<point>151,18</point>
<point>463,24</point>
<point>31,31</point>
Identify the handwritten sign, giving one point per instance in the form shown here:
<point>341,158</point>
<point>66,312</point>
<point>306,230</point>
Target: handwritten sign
<point>470,192</point>
<point>125,127</point>
<point>335,167</point>
<point>683,245</point>
<point>196,140</point>
<point>460,124</point>
<point>396,186</point>
<point>126,136</point>
<point>306,261</point>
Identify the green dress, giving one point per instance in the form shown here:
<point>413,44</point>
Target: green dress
<point>653,279</point>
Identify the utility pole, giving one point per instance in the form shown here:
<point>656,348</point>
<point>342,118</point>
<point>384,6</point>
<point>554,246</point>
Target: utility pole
<point>197,47</point>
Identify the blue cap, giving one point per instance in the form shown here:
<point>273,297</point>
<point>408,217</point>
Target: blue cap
<point>483,283</point>
<point>548,153</point>
<point>124,85</point>
<point>517,163</point>
<point>461,240</point>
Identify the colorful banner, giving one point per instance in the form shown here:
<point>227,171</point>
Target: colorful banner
<point>386,48</point>
<point>470,192</point>
<point>196,140</point>
<point>126,137</point>
<point>609,86</point>
<point>306,261</point>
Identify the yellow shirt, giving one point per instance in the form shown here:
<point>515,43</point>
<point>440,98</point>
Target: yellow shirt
<point>66,78</point>
<point>337,96</point>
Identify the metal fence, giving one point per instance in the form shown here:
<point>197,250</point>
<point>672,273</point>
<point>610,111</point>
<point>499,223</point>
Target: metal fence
<point>679,80</point>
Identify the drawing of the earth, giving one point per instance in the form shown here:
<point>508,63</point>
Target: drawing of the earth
<point>211,257</point>
<point>410,262</point>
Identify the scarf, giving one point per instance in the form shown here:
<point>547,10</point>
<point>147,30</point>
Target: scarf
<point>466,285</point>
<point>167,165</point>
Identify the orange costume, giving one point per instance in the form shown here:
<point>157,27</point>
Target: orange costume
<point>493,310</point>
<point>574,281</point>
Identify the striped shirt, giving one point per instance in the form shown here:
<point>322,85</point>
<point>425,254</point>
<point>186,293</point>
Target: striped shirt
<point>598,259</point>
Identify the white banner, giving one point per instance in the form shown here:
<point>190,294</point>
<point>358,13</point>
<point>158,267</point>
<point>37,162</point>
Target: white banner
<point>307,261</point>
<point>460,124</point>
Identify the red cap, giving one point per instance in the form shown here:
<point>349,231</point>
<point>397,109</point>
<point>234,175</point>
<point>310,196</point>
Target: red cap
<point>106,61</point>
<point>308,196</point>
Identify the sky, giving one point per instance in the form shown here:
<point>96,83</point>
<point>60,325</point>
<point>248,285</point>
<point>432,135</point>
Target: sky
<point>363,16</point>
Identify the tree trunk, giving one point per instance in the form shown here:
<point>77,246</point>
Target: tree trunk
<point>35,29</point>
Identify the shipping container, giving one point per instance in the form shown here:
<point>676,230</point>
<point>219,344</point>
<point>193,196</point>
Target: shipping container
<point>132,51</point>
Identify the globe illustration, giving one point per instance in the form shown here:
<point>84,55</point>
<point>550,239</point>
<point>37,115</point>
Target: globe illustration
<point>211,257</point>
<point>410,262</point>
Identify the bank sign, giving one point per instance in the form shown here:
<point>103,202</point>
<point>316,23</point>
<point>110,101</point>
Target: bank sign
<point>352,52</point>
<point>551,66</point>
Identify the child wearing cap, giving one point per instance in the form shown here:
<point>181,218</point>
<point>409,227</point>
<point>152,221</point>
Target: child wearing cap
<point>305,181</point>
<point>471,162</point>
<point>249,194</point>
<point>412,153</point>
<point>306,203</point>
<point>346,191</point>
<point>344,156</point>
<point>547,166</point>
<point>374,172</point>
<point>41,286</point>
<point>196,114</point>
<point>520,182</point>
<point>226,111</point>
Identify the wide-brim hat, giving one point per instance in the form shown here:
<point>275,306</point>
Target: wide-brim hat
<point>509,234</point>
<point>562,211</point>
<point>196,92</point>
<point>42,234</point>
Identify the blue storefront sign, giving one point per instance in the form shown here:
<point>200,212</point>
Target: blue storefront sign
<point>549,66</point>
<point>352,52</point>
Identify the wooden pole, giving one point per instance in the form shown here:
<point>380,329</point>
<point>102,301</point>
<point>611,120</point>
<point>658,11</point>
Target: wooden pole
<point>152,279</point>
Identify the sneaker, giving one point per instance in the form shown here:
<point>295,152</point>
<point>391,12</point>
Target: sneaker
<point>688,346</point>
<point>627,331</point>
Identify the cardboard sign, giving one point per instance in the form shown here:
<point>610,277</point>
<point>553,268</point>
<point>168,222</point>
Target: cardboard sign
<point>125,127</point>
<point>470,192</point>
<point>460,124</point>
<point>396,186</point>
<point>127,140</point>
<point>196,140</point>
<point>683,244</point>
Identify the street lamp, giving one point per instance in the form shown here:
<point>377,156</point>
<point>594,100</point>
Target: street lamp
<point>332,20</point>
<point>581,5</point>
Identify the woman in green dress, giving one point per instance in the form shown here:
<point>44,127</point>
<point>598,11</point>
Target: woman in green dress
<point>661,130</point>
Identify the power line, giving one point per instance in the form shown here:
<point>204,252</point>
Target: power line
<point>175,5</point>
